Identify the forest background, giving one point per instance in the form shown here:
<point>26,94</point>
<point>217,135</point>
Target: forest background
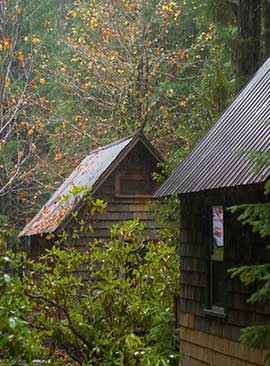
<point>75,75</point>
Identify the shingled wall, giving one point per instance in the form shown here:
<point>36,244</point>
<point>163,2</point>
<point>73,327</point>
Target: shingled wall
<point>210,340</point>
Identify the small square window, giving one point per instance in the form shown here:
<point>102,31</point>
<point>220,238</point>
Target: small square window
<point>134,185</point>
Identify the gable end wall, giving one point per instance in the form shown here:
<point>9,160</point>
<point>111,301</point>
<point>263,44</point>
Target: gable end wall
<point>138,161</point>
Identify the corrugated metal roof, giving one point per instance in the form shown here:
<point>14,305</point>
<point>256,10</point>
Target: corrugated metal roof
<point>87,173</point>
<point>220,158</point>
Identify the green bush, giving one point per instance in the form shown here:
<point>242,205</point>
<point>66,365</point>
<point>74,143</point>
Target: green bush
<point>112,304</point>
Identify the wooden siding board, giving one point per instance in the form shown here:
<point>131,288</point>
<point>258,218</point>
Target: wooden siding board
<point>217,349</point>
<point>191,250</point>
<point>192,292</point>
<point>192,264</point>
<point>248,247</point>
<point>193,279</point>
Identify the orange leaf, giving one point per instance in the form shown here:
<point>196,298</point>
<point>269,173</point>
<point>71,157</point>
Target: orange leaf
<point>18,10</point>
<point>21,124</point>
<point>7,43</point>
<point>33,84</point>
<point>57,156</point>
<point>184,56</point>
<point>46,23</point>
<point>20,56</point>
<point>73,13</point>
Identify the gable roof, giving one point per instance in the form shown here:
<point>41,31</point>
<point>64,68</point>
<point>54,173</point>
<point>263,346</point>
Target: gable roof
<point>91,172</point>
<point>220,158</point>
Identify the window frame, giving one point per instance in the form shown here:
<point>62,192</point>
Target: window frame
<point>132,177</point>
<point>210,308</point>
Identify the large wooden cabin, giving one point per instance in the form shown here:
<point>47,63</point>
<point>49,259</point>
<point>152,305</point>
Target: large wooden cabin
<point>219,173</point>
<point>121,174</point>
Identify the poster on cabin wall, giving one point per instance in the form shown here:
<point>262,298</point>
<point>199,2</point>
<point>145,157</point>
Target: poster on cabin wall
<point>218,227</point>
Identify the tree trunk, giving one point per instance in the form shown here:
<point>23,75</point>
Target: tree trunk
<point>249,51</point>
<point>266,26</point>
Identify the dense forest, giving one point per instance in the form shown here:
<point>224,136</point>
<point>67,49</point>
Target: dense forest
<point>78,75</point>
<point>75,76</point>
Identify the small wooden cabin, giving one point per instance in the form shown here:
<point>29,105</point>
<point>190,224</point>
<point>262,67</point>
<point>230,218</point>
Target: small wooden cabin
<point>121,174</point>
<point>217,174</point>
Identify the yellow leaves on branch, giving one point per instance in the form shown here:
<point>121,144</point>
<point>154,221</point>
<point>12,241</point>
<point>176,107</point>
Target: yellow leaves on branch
<point>21,124</point>
<point>63,68</point>
<point>206,36</point>
<point>36,40</point>
<point>170,9</point>
<point>38,126</point>
<point>73,13</point>
<point>93,23</point>
<point>86,85</point>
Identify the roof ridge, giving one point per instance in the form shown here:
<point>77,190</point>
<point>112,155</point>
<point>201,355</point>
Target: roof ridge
<point>114,143</point>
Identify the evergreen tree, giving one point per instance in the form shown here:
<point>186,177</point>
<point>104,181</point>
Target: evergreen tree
<point>258,216</point>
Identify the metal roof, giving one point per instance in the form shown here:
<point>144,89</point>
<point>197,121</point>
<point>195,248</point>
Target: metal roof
<point>221,158</point>
<point>90,172</point>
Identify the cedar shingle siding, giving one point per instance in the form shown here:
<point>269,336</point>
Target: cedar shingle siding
<point>242,246</point>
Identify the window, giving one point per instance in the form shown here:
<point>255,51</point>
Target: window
<point>216,267</point>
<point>133,185</point>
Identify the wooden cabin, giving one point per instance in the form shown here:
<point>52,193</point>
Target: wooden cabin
<point>217,174</point>
<point>121,174</point>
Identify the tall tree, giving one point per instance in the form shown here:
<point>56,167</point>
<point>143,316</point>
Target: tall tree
<point>26,34</point>
<point>124,65</point>
<point>251,43</point>
<point>266,27</point>
<point>249,24</point>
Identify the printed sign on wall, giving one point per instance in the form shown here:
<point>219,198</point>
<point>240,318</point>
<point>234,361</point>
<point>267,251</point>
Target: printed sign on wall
<point>218,227</point>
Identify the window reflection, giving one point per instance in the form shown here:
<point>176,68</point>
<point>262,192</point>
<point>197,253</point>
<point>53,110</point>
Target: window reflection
<point>217,233</point>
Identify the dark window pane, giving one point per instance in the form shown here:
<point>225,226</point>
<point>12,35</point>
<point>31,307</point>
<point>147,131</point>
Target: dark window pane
<point>218,278</point>
<point>134,185</point>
